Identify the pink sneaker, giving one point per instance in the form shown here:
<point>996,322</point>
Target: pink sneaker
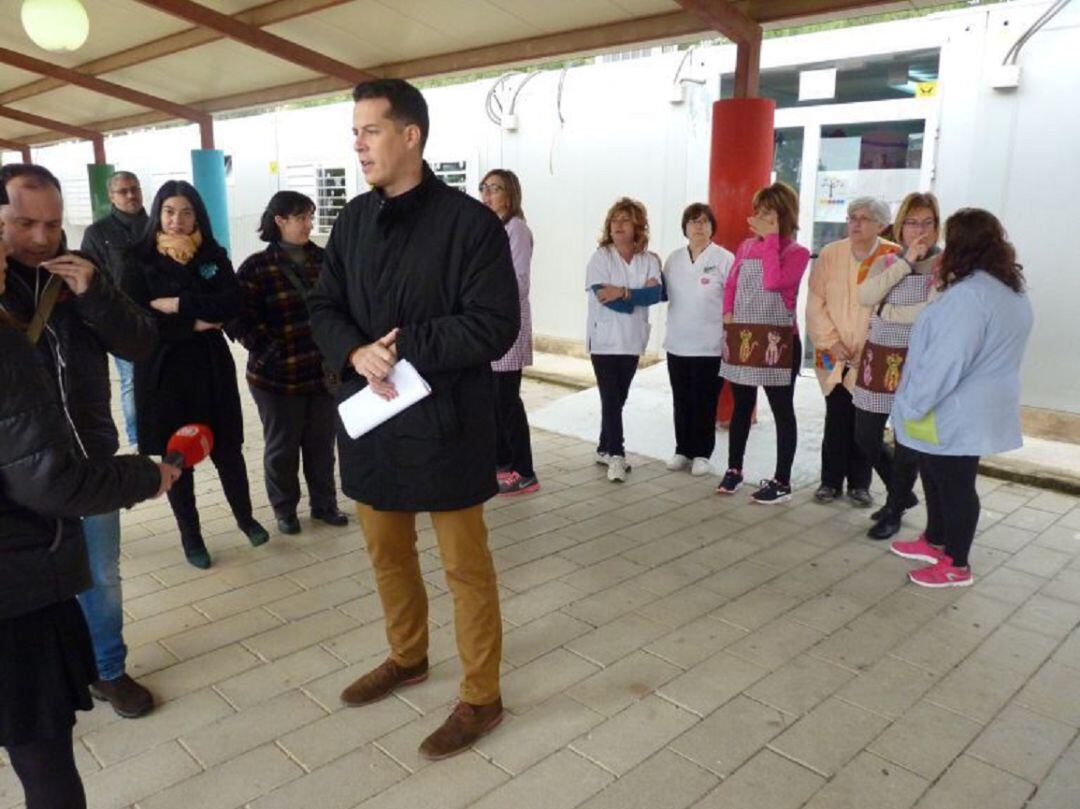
<point>942,574</point>
<point>515,483</point>
<point>503,474</point>
<point>918,549</point>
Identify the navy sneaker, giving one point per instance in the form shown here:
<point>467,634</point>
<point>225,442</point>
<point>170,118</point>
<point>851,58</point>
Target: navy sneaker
<point>731,482</point>
<point>771,492</point>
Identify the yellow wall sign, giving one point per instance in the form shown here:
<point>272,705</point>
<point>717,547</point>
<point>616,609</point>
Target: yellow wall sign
<point>274,168</point>
<point>926,89</point>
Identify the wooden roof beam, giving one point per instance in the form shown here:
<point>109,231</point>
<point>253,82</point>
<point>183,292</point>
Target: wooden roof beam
<point>83,133</point>
<point>15,146</point>
<point>108,88</point>
<point>740,29</point>
<point>260,40</point>
<point>267,14</point>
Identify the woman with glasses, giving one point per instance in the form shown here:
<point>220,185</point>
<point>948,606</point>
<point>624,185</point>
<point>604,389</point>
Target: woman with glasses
<point>897,289</point>
<point>622,280</point>
<point>694,279</point>
<point>960,395</point>
<point>500,190</point>
<point>837,322</point>
<point>761,340</point>
<point>184,278</point>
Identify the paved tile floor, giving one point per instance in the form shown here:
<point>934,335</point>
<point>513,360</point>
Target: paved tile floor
<point>664,648</point>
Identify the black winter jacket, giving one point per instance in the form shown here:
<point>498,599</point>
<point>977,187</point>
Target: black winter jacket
<point>46,485</point>
<point>108,240</point>
<point>80,332</point>
<point>436,264</point>
<point>191,376</point>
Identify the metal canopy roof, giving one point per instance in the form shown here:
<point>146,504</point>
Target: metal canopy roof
<point>151,61</point>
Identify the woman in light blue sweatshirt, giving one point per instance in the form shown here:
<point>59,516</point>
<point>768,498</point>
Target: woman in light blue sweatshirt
<point>959,397</point>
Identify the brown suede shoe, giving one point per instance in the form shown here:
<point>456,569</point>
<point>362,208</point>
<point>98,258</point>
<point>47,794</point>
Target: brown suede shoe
<point>382,680</point>
<point>464,726</point>
<point>129,699</point>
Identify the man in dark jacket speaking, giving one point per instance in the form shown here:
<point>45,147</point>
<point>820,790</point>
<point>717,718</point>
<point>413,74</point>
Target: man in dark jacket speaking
<point>419,271</point>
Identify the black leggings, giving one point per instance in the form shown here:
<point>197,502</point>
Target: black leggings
<point>952,503</point>
<point>513,444</point>
<point>47,771</point>
<point>782,402</point>
<point>234,480</point>
<point>898,467</point>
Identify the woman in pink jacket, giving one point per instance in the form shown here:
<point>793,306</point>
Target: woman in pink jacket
<point>761,340</point>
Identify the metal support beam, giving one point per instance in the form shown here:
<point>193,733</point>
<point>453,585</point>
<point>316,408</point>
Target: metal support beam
<point>15,146</point>
<point>259,39</point>
<point>747,68</point>
<point>108,88</point>
<point>81,132</point>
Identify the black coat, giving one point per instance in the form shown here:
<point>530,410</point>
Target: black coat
<point>46,485</point>
<point>108,240</point>
<point>191,377</point>
<point>83,328</point>
<point>436,264</point>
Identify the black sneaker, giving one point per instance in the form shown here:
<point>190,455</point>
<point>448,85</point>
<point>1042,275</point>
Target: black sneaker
<point>731,482</point>
<point>771,492</point>
<point>826,493</point>
<point>255,533</point>
<point>860,498</point>
<point>331,516</point>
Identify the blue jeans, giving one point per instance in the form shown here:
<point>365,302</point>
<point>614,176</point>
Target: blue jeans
<point>102,604</point>
<point>127,398</point>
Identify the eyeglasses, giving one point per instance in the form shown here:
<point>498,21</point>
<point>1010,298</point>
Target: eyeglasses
<point>860,220</point>
<point>921,224</point>
<point>127,191</point>
<point>490,188</point>
<point>622,220</point>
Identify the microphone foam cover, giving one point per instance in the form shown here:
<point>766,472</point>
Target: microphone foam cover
<point>193,442</point>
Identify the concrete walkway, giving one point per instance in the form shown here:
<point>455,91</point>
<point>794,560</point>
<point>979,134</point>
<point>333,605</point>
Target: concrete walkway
<point>665,648</point>
<point>1047,464</point>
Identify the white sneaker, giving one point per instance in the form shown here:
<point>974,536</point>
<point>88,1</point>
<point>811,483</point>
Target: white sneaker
<point>603,459</point>
<point>678,462</point>
<point>617,469</point>
<point>701,467</point>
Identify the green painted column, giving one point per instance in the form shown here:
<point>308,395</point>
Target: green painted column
<point>99,174</point>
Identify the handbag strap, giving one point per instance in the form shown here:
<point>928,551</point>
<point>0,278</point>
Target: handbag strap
<point>294,279</point>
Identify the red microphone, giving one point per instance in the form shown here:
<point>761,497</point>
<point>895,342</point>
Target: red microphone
<point>189,445</point>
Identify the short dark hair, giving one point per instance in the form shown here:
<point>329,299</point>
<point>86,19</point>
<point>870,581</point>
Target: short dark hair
<point>695,210</point>
<point>36,176</point>
<point>781,199</point>
<point>407,104</point>
<point>147,245</point>
<point>286,204</point>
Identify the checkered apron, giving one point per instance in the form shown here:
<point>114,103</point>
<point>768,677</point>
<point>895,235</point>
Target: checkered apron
<point>912,290</point>
<point>754,304</point>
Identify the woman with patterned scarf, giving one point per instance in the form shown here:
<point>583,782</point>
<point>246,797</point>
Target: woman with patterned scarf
<point>184,277</point>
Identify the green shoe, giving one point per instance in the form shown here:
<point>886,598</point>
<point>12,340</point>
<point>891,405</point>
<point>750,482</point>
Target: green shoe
<point>256,534</point>
<point>200,559</point>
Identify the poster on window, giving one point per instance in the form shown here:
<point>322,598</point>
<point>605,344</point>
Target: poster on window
<point>835,189</point>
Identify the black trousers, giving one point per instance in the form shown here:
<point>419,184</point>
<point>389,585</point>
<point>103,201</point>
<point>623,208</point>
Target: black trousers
<point>234,481</point>
<point>695,387</point>
<point>614,373</point>
<point>513,444</point>
<point>782,402</point>
<point>952,503</point>
<point>897,467</point>
<point>294,426</point>
<point>841,456</point>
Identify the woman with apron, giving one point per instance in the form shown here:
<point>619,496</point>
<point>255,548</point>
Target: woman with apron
<point>898,287</point>
<point>761,343</point>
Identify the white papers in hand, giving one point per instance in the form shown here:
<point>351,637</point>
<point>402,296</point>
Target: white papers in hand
<point>366,410</point>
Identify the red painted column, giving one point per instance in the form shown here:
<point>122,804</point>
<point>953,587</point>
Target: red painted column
<point>740,163</point>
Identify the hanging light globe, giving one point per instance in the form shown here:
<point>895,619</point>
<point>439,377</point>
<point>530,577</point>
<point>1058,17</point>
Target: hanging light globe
<point>56,25</point>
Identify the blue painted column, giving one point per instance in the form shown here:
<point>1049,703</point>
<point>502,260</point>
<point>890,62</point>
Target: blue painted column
<point>208,173</point>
